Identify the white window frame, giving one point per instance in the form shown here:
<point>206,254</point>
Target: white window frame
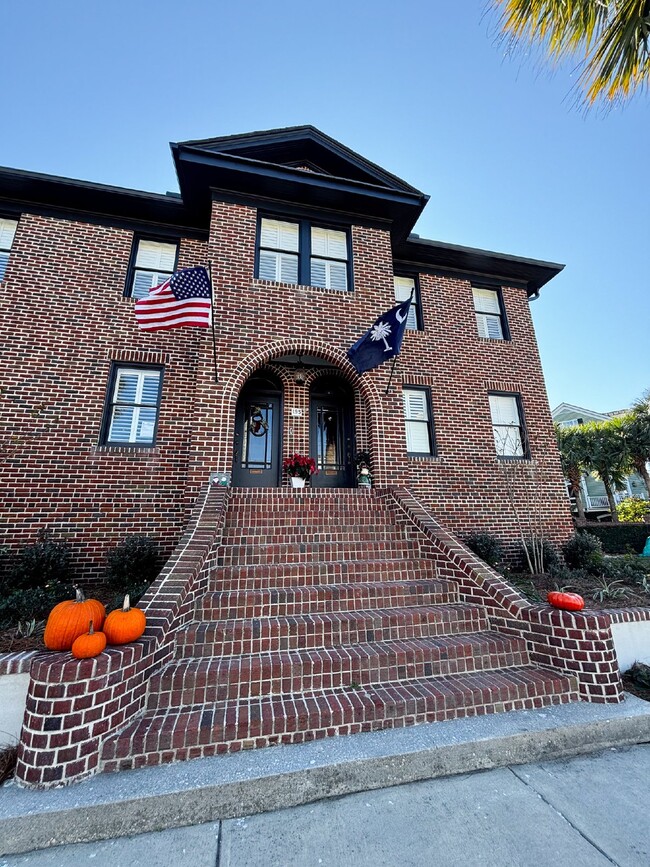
<point>490,317</point>
<point>8,227</point>
<point>138,404</point>
<point>508,429</point>
<point>414,422</point>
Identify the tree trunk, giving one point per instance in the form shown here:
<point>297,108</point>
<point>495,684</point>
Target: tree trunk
<point>577,493</point>
<point>611,500</point>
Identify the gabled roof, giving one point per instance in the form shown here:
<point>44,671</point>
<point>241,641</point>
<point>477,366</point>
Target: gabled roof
<point>579,411</point>
<point>302,147</point>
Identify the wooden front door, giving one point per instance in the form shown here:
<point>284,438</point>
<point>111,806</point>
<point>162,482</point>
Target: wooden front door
<point>257,438</point>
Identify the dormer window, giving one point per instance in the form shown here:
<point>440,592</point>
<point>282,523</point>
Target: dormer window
<point>297,252</point>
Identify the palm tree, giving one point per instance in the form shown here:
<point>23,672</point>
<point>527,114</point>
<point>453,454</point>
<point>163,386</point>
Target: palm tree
<point>573,453</point>
<point>607,456</point>
<point>610,37</point>
<point>636,431</point>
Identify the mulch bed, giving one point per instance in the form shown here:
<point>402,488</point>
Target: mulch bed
<point>536,587</point>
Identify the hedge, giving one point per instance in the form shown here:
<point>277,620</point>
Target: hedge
<point>620,538</point>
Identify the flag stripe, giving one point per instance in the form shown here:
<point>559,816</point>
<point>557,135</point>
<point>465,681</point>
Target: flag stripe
<point>183,299</point>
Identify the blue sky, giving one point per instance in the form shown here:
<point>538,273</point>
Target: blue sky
<point>97,90</point>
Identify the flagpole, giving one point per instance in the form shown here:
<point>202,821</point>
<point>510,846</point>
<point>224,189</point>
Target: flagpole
<point>214,339</point>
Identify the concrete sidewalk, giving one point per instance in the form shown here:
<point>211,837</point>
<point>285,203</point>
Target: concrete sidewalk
<point>584,812</point>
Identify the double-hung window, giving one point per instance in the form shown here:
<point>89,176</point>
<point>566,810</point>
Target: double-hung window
<point>417,418</point>
<point>507,425</point>
<point>131,416</point>
<point>7,232</point>
<point>152,263</point>
<point>297,252</point>
<point>490,316</point>
<point>403,288</point>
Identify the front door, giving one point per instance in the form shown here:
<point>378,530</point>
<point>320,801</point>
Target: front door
<point>332,435</point>
<point>257,439</point>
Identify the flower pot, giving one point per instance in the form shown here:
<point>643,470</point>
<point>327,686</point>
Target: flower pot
<point>297,482</point>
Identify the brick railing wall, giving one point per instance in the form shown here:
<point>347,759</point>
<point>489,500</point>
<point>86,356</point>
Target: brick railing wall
<point>576,643</point>
<point>74,705</point>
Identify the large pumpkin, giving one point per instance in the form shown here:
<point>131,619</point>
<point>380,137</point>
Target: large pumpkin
<point>566,601</point>
<point>125,624</point>
<point>89,644</point>
<point>68,620</point>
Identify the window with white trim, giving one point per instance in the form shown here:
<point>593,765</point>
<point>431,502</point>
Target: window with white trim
<point>297,252</point>
<point>417,419</point>
<point>490,318</point>
<point>131,416</point>
<point>153,262</point>
<point>507,425</point>
<point>7,232</point>
<point>403,288</point>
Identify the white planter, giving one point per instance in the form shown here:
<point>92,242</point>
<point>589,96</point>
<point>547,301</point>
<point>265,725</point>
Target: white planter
<point>297,482</point>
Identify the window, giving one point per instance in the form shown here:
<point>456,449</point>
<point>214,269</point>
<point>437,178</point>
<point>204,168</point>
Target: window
<point>131,416</point>
<point>490,318</point>
<point>297,252</point>
<point>507,425</point>
<point>403,288</point>
<point>7,232</point>
<point>151,264</point>
<point>417,418</point>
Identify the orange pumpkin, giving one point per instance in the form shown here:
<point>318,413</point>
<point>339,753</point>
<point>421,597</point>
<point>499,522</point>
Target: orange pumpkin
<point>566,601</point>
<point>89,644</point>
<point>125,624</point>
<point>68,620</point>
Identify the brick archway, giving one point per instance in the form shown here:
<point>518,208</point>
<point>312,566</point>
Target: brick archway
<point>367,390</point>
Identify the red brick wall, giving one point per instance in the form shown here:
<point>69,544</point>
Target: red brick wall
<point>67,320</point>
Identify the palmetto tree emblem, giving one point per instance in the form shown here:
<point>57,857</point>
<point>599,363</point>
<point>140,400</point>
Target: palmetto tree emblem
<point>380,331</point>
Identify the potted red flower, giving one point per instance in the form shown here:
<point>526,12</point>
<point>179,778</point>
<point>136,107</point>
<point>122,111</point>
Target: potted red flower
<point>299,468</point>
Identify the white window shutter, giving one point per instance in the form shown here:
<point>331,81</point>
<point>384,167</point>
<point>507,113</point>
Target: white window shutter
<point>4,261</point>
<point>489,326</point>
<point>319,273</point>
<point>338,276</point>
<point>486,301</point>
<point>417,438</point>
<point>504,409</point>
<point>279,235</point>
<point>155,256</point>
<point>269,265</point>
<point>7,232</point>
<point>330,243</point>
<point>416,414</point>
<point>288,269</point>
<point>143,281</point>
<point>403,288</point>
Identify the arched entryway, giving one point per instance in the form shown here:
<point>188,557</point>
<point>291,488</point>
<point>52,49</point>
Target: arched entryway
<point>258,432</point>
<point>331,432</point>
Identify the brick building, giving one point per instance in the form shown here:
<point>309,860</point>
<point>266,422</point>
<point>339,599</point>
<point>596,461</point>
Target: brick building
<point>108,429</point>
<point>280,615</point>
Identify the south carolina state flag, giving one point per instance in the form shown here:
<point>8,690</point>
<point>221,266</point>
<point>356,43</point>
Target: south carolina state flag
<point>185,299</point>
<point>382,341</point>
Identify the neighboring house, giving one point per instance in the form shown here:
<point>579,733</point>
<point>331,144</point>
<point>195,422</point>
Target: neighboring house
<point>110,429</point>
<point>593,490</point>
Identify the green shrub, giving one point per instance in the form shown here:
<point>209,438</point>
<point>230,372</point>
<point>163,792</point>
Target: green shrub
<point>628,568</point>
<point>486,546</point>
<point>620,538</point>
<point>583,551</point>
<point>132,565</point>
<point>45,563</point>
<point>31,603</point>
<point>633,509</point>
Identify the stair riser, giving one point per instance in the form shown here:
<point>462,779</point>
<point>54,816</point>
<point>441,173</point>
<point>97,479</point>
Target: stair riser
<point>278,575</point>
<point>260,603</point>
<point>235,637</point>
<point>306,552</point>
<point>205,731</point>
<point>330,534</point>
<point>277,675</point>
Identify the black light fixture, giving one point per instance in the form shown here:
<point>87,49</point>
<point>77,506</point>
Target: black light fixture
<point>300,373</point>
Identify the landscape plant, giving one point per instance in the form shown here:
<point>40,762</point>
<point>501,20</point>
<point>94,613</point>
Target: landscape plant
<point>132,565</point>
<point>583,551</point>
<point>632,510</point>
<point>486,546</point>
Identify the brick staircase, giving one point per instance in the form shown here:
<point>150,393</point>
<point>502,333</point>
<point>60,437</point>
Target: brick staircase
<point>323,618</point>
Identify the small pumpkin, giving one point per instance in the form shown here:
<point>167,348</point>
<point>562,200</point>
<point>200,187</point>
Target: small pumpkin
<point>68,620</point>
<point>89,644</point>
<point>125,624</point>
<point>566,601</point>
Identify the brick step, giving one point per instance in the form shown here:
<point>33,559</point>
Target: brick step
<point>257,635</point>
<point>330,533</point>
<point>255,519</point>
<point>320,598</point>
<point>197,681</point>
<point>190,732</point>
<point>271,495</point>
<point>278,575</point>
<point>302,552</point>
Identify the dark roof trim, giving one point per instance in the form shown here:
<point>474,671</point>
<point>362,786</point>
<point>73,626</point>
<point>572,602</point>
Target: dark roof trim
<point>438,255</point>
<point>290,134</point>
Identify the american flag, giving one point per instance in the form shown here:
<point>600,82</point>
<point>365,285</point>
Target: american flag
<point>184,299</point>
